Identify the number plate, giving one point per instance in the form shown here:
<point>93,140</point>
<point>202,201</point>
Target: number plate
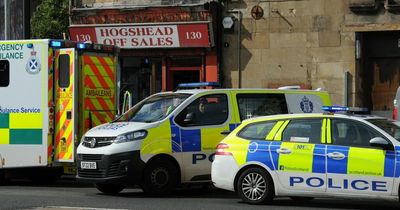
<point>88,165</point>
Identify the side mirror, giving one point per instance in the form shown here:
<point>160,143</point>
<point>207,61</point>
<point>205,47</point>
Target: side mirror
<point>379,142</point>
<point>189,117</point>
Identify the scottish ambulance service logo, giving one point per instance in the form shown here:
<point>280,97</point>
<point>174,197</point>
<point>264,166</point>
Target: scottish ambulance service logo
<point>33,65</point>
<point>306,105</point>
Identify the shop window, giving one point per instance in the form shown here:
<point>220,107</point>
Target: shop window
<point>4,73</point>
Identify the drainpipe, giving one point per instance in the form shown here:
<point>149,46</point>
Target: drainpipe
<point>239,21</point>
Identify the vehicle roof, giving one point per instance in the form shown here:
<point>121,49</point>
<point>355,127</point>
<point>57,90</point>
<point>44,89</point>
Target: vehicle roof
<point>312,115</point>
<point>196,91</point>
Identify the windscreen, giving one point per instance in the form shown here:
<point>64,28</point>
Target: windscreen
<point>154,108</point>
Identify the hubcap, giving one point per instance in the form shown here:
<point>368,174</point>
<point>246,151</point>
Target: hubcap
<point>254,186</point>
<point>159,177</point>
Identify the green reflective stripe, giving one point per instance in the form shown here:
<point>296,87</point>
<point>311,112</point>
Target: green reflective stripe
<point>4,120</point>
<point>272,133</point>
<point>328,132</point>
<point>278,136</point>
<point>323,133</point>
<point>25,136</point>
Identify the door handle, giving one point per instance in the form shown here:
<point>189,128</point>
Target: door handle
<point>284,151</point>
<point>225,132</point>
<point>336,155</point>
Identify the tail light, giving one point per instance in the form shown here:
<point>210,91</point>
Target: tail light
<point>395,110</point>
<point>221,149</point>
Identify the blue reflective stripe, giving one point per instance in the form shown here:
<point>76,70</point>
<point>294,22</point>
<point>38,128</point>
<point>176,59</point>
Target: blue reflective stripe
<point>338,166</point>
<point>274,155</point>
<point>175,135</point>
<point>389,164</point>
<point>191,140</point>
<point>319,159</point>
<point>233,126</point>
<point>397,174</point>
<point>259,151</point>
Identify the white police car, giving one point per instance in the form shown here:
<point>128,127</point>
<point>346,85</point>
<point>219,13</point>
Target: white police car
<point>310,155</point>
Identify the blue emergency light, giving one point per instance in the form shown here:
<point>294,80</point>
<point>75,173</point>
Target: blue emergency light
<point>55,44</point>
<point>81,46</point>
<point>30,45</point>
<point>335,108</point>
<point>198,84</point>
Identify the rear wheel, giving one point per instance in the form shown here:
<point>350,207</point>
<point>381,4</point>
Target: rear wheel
<point>255,186</point>
<point>110,189</point>
<point>160,177</point>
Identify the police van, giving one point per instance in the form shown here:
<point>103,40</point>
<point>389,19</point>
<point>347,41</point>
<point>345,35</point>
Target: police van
<point>310,155</point>
<point>170,138</point>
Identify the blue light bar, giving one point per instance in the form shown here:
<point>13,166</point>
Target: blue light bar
<point>81,46</point>
<point>198,84</point>
<point>335,108</point>
<point>55,44</point>
<point>30,45</point>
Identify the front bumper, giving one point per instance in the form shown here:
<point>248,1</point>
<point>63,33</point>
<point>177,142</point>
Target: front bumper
<point>123,168</point>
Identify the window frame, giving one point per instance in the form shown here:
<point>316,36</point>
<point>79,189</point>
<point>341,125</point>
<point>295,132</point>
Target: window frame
<point>303,119</point>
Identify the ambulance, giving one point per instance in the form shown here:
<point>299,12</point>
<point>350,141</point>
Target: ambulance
<point>170,138</point>
<point>51,92</point>
<point>304,156</point>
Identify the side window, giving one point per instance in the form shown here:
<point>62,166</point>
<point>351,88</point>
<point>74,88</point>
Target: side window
<point>253,105</point>
<point>206,110</point>
<point>256,131</point>
<point>64,71</point>
<point>351,133</point>
<point>305,131</point>
<point>4,73</point>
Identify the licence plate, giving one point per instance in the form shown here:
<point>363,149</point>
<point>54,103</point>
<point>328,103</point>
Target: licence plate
<point>88,165</point>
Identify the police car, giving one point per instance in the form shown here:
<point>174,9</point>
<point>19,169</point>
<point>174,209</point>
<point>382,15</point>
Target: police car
<point>310,155</point>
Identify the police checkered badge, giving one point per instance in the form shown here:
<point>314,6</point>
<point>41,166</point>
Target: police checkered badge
<point>306,105</point>
<point>33,65</point>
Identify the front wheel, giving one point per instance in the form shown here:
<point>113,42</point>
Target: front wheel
<point>160,178</point>
<point>110,189</point>
<point>255,186</point>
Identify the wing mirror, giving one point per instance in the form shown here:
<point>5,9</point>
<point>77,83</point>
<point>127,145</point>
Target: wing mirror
<point>379,142</point>
<point>189,117</point>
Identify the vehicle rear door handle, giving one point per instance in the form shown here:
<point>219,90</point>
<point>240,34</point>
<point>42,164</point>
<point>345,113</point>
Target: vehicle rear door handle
<point>336,155</point>
<point>284,151</point>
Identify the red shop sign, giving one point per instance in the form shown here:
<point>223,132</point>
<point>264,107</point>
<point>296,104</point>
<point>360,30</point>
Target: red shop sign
<point>145,36</point>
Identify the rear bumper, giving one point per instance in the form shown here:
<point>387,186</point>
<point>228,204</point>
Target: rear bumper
<point>124,168</point>
<point>223,172</point>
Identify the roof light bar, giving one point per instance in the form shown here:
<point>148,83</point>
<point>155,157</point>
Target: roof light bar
<point>198,84</point>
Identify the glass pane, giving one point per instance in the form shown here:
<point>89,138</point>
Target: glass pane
<point>253,105</point>
<point>4,73</point>
<point>305,131</point>
<point>64,72</point>
<point>256,131</point>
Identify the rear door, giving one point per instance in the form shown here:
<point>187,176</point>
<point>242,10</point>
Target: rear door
<point>65,88</point>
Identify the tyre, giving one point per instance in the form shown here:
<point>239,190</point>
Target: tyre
<point>160,178</point>
<point>255,186</point>
<point>301,199</point>
<point>110,189</point>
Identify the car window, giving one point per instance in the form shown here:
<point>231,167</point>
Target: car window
<point>303,130</point>
<point>256,131</point>
<point>206,110</point>
<point>253,105</point>
<point>389,126</point>
<point>346,132</point>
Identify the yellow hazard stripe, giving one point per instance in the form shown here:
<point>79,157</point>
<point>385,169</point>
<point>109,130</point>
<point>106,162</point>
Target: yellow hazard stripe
<point>357,165</point>
<point>323,132</point>
<point>26,120</point>
<point>299,160</point>
<point>273,131</point>
<point>328,132</point>
<point>278,136</point>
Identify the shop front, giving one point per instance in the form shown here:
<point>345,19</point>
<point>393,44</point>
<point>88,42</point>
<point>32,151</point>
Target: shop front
<point>159,49</point>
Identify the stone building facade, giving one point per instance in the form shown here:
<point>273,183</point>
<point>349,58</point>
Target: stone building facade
<point>348,47</point>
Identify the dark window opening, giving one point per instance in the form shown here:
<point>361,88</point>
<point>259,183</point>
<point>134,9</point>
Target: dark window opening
<point>64,71</point>
<point>4,73</point>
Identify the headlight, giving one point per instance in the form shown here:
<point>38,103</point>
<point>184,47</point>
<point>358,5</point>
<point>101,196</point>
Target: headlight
<point>133,136</point>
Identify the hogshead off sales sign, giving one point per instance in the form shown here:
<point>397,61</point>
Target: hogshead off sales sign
<point>150,36</point>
